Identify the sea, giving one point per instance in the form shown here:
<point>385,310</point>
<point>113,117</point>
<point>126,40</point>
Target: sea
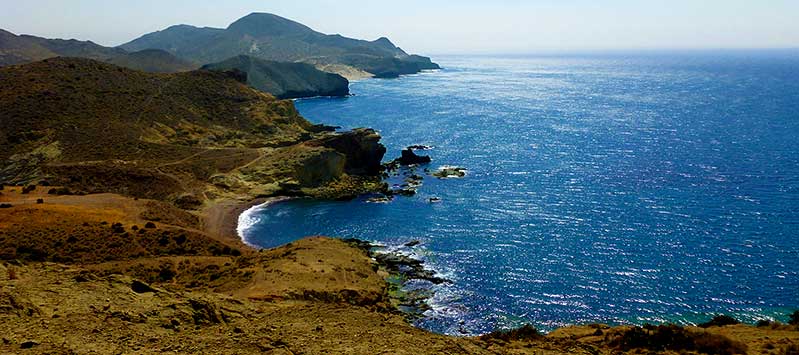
<point>617,187</point>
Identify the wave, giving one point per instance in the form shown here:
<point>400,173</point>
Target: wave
<point>249,218</point>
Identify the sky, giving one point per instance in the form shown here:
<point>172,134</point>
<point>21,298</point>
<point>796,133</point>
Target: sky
<point>442,26</point>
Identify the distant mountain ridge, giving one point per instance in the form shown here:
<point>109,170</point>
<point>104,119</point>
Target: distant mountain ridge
<point>271,37</point>
<point>23,49</point>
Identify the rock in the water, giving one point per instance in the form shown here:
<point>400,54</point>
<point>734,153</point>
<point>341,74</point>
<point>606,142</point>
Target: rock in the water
<point>379,199</point>
<point>410,268</point>
<point>410,158</point>
<point>404,191</point>
<point>450,172</point>
<point>434,199</point>
<point>419,147</point>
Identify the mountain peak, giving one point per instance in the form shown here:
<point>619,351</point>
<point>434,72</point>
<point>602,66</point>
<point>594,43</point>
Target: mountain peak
<point>266,24</point>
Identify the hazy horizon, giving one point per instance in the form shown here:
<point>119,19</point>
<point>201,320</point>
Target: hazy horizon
<point>465,27</point>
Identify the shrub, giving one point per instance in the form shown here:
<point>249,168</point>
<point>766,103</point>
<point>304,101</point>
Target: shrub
<point>525,333</point>
<point>675,338</point>
<point>39,201</point>
<point>720,321</point>
<point>792,349</point>
<point>793,319</point>
<point>59,191</point>
<point>28,189</point>
<point>6,205</point>
<point>763,323</point>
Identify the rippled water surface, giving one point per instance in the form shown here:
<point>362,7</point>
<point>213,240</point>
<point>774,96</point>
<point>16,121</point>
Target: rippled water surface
<point>606,188</point>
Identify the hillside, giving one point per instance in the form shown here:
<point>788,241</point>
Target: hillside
<point>18,50</point>
<point>152,61</point>
<point>285,80</point>
<point>184,138</point>
<point>271,37</point>
<point>26,49</point>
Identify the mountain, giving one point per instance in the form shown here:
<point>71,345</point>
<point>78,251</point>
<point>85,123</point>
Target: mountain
<point>180,138</point>
<point>285,80</point>
<point>18,50</point>
<point>25,49</point>
<point>271,37</point>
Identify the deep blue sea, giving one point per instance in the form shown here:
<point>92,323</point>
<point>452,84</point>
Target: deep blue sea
<point>617,188</point>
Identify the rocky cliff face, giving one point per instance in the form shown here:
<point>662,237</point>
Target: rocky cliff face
<point>285,80</point>
<point>361,147</point>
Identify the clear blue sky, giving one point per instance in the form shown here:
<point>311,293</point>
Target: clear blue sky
<point>438,27</point>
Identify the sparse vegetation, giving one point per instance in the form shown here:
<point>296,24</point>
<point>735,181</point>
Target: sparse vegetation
<point>524,333</point>
<point>793,318</point>
<point>675,338</point>
<point>792,349</point>
<point>763,323</point>
<point>60,191</point>
<point>719,321</point>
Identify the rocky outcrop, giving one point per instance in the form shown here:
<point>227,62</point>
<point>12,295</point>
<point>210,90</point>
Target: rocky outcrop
<point>361,147</point>
<point>410,158</point>
<point>447,172</point>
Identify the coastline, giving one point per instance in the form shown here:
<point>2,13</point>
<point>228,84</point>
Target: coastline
<point>242,222</point>
<point>221,218</point>
<point>315,295</point>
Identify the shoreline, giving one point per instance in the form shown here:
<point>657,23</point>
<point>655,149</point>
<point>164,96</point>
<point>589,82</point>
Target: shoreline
<point>247,212</point>
<point>220,218</point>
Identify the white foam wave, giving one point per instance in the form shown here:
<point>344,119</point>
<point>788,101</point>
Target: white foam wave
<point>249,218</point>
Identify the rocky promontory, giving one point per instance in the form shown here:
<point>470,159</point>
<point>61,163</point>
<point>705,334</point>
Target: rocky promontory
<point>285,80</point>
<point>188,138</point>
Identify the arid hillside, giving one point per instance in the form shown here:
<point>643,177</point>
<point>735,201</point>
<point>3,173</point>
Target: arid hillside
<point>185,138</point>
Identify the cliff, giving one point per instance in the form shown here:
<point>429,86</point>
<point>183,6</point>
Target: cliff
<point>285,80</point>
